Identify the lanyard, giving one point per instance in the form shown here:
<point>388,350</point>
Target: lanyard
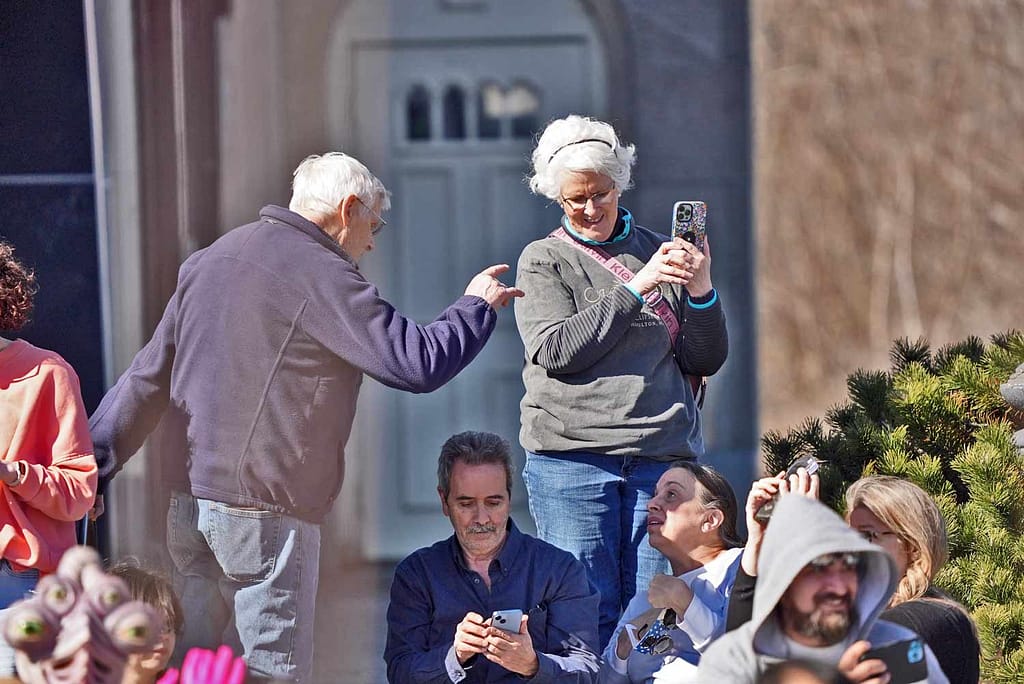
<point>653,298</point>
<point>620,271</point>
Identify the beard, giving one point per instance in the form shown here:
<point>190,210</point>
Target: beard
<point>827,625</point>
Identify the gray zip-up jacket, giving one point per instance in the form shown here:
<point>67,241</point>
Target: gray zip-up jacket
<point>800,530</point>
<point>256,365</point>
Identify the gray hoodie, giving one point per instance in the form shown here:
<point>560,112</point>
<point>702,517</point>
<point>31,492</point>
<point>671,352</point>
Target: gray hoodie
<point>802,529</point>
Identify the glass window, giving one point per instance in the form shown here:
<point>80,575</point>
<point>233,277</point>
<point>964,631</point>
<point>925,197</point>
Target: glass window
<point>522,105</point>
<point>489,104</point>
<point>454,113</point>
<point>417,114</point>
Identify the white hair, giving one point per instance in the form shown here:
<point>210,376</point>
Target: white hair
<point>579,143</point>
<point>322,182</point>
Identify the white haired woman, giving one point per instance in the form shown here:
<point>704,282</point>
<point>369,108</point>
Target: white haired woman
<point>617,316</point>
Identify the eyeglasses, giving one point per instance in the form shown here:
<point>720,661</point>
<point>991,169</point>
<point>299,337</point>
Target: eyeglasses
<point>655,639</point>
<point>873,535</point>
<point>380,219</point>
<point>580,203</point>
<point>849,561</point>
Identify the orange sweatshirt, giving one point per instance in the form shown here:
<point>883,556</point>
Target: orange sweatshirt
<point>42,423</point>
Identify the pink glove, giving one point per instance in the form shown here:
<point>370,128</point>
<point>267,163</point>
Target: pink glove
<point>204,667</point>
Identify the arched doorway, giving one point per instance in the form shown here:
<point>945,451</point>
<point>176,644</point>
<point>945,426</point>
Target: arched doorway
<point>442,99</point>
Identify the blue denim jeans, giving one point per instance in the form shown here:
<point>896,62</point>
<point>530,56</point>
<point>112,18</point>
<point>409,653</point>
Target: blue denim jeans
<point>595,507</point>
<point>14,586</point>
<point>246,578</point>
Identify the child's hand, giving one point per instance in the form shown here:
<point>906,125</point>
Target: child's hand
<point>205,667</point>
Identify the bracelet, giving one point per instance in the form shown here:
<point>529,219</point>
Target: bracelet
<point>20,470</point>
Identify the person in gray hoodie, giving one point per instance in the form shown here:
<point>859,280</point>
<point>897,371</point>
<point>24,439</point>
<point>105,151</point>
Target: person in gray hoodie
<point>820,589</point>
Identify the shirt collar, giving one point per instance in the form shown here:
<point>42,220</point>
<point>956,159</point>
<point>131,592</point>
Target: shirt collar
<point>279,215</point>
<point>623,229</point>
<point>509,550</point>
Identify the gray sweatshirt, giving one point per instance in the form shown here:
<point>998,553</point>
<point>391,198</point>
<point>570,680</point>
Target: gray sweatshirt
<point>600,373</point>
<point>800,530</point>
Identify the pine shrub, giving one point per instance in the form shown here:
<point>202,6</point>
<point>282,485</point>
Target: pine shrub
<point>938,420</point>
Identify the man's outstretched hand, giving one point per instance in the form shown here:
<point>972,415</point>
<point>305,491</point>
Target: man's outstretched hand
<point>486,285</point>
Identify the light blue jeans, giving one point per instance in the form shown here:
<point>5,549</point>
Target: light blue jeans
<point>246,578</point>
<point>14,586</point>
<point>595,507</point>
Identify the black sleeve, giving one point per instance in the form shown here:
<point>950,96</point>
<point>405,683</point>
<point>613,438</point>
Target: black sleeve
<point>948,630</point>
<point>741,600</point>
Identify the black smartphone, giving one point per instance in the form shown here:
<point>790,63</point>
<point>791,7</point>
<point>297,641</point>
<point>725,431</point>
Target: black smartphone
<point>689,221</point>
<point>809,463</point>
<point>905,659</point>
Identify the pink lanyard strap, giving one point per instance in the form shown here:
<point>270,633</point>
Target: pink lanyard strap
<point>620,271</point>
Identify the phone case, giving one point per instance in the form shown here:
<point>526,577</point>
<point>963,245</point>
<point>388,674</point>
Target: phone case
<point>507,620</point>
<point>689,221</point>
<point>809,463</point>
<point>905,660</point>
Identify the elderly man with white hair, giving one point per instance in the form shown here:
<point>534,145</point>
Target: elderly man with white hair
<point>617,316</point>
<point>255,368</point>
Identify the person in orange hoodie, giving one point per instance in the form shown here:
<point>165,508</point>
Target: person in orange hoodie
<point>47,469</point>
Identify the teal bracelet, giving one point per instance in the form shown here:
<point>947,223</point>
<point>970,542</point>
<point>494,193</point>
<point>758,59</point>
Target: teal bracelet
<point>706,305</point>
<point>635,293</point>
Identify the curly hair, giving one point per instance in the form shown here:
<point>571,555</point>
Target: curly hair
<point>17,290</point>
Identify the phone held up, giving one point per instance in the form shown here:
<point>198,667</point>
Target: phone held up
<point>808,463</point>
<point>507,620</point>
<point>904,659</point>
<point>689,221</point>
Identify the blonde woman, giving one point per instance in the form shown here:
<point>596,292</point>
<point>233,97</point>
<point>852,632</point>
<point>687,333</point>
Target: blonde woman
<point>901,518</point>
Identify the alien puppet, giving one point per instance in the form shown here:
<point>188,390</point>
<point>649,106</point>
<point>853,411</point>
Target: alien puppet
<point>80,626</point>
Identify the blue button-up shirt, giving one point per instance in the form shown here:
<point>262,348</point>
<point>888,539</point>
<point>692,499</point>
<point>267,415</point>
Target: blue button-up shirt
<point>434,589</point>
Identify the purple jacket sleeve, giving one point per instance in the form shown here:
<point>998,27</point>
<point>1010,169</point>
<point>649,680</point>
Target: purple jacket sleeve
<point>132,408</point>
<point>352,320</point>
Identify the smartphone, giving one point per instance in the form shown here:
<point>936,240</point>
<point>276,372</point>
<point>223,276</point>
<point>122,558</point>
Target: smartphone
<point>507,620</point>
<point>905,660</point>
<point>809,463</point>
<point>689,221</point>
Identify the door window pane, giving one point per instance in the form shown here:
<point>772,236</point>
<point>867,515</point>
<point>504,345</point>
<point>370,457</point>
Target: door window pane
<point>490,102</point>
<point>454,113</point>
<point>523,104</point>
<point>417,114</point>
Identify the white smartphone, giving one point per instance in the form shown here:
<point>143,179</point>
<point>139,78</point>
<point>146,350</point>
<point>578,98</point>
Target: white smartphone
<point>507,620</point>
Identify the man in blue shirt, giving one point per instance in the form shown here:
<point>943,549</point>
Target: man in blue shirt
<point>443,596</point>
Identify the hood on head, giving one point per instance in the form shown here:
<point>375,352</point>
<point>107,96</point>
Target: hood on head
<point>800,530</point>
